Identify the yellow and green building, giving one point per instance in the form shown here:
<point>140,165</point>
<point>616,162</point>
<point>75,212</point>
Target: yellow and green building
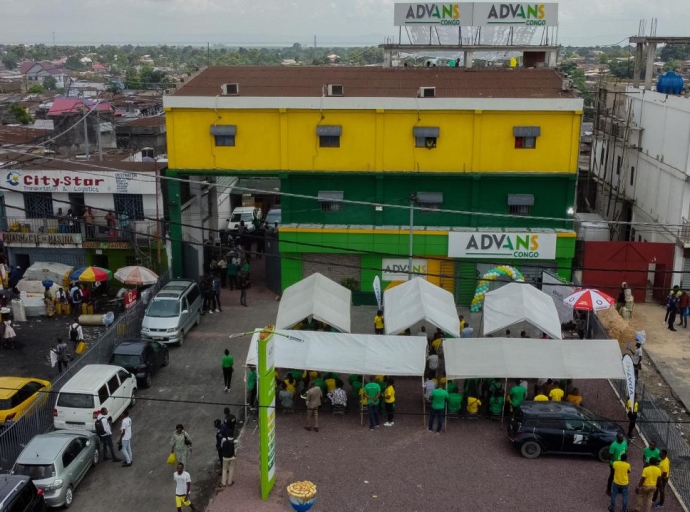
<point>488,159</point>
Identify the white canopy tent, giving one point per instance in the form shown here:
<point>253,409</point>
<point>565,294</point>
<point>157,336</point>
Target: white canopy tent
<point>516,303</point>
<point>418,300</point>
<point>532,358</point>
<point>366,354</point>
<point>316,296</point>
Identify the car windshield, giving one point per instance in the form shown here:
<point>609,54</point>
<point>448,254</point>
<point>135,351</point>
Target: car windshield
<point>75,400</point>
<point>35,471</point>
<point>245,216</point>
<point>273,217</point>
<point>5,404</point>
<point>164,308</point>
<point>591,418</point>
<point>126,360</point>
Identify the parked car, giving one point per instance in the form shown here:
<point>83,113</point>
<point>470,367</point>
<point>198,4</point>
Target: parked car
<point>273,217</point>
<point>19,494</point>
<point>95,386</point>
<point>57,461</point>
<point>557,427</point>
<point>173,312</point>
<point>246,214</point>
<point>17,394</point>
<point>143,358</point>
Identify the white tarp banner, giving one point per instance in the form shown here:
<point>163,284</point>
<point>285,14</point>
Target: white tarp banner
<point>366,354</point>
<point>516,303</point>
<point>554,287</point>
<point>316,296</point>
<point>531,358</point>
<point>418,300</point>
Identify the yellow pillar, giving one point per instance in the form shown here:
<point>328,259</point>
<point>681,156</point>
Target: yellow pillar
<point>476,142</point>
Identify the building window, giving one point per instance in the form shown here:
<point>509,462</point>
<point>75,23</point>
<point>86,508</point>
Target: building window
<point>132,261</point>
<point>425,142</point>
<point>38,205</point>
<point>426,136</point>
<point>429,202</point>
<point>520,209</point>
<point>329,141</point>
<point>619,164</point>
<point>601,158</point>
<point>520,204</point>
<point>331,200</point>
<point>225,140</point>
<point>525,142</point>
<point>632,176</point>
<point>329,135</point>
<point>133,204</point>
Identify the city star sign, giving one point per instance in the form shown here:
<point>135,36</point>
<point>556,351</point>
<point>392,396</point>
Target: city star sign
<point>475,14</point>
<point>84,182</point>
<point>516,246</point>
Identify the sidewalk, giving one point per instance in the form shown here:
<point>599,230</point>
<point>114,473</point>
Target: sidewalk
<point>668,350</point>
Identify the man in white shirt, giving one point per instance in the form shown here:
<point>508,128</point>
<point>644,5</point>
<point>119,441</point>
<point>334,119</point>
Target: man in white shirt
<point>183,486</point>
<point>432,362</point>
<point>429,386</point>
<point>467,332</point>
<point>126,438</point>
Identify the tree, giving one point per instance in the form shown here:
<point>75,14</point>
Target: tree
<point>568,66</point>
<point>9,62</point>
<point>672,65</point>
<point>50,83</point>
<point>675,51</point>
<point>622,69</point>
<point>37,89</point>
<point>20,114</point>
<point>73,63</point>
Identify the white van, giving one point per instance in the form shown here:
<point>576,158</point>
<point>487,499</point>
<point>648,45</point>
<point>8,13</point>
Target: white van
<point>246,214</point>
<point>95,386</point>
<point>173,312</point>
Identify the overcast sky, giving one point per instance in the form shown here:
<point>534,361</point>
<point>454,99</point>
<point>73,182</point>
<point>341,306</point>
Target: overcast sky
<point>344,22</point>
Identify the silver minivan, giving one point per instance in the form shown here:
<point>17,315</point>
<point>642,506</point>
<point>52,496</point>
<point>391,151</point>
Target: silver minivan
<point>173,312</point>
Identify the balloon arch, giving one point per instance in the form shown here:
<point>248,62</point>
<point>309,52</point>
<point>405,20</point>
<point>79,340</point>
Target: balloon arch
<point>492,275</point>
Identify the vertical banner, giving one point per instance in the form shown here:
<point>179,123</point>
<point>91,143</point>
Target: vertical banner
<point>629,370</point>
<point>131,298</point>
<point>377,290</point>
<point>267,411</point>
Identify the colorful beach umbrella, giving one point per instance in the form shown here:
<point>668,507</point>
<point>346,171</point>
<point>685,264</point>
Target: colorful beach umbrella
<point>136,276</point>
<point>589,300</point>
<point>91,274</point>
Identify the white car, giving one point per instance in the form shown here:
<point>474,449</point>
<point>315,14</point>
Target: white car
<point>246,214</point>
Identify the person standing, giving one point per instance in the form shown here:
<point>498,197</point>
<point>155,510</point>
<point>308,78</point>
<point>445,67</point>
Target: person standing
<point>683,304</point>
<point>389,399</point>
<point>632,416</point>
<point>621,480</point>
<point>372,393</point>
<point>439,396</point>
<point>671,307</point>
<point>645,489</point>
<point>183,487</point>
<point>126,438</point>
<point>216,292</point>
<point>88,222</point>
<point>227,450</point>
<point>242,285</point>
<point>637,359</point>
<point>181,444</point>
<point>77,297</point>
<point>223,271</point>
<point>313,398</point>
<point>76,334</point>
<point>106,434</point>
<point>379,324</point>
<point>230,422</point>
<point>556,394</point>
<point>650,452</point>
<point>221,433</point>
<point>62,355</point>
<point>251,387</point>
<point>232,271</point>
<point>617,448</point>
<point>516,395</point>
<point>123,217</point>
<point>227,363</point>
<point>665,467</point>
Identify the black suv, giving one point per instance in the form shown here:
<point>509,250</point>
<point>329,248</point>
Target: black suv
<point>19,494</point>
<point>559,427</point>
<point>140,357</point>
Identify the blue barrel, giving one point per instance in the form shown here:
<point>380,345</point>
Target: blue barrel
<point>670,83</point>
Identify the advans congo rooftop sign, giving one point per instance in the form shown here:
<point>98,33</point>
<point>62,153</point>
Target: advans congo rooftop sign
<point>476,14</point>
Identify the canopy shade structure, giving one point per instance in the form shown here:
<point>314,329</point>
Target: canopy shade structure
<point>530,358</point>
<point>518,302</point>
<point>418,300</point>
<point>366,354</point>
<point>316,296</point>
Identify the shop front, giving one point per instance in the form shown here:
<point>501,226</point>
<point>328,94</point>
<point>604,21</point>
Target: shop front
<point>452,259</point>
<point>25,249</point>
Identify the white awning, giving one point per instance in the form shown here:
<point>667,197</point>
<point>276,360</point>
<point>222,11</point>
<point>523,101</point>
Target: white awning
<point>315,295</point>
<point>515,303</point>
<point>530,358</point>
<point>366,354</point>
<point>418,300</point>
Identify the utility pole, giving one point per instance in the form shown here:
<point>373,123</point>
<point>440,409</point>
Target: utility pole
<point>413,198</point>
<point>86,136</point>
<point>100,147</point>
<point>208,54</point>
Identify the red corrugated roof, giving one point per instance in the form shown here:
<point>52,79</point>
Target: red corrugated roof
<point>76,105</point>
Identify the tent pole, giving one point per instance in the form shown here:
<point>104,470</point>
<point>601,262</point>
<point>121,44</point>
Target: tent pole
<point>423,404</point>
<point>245,393</point>
<point>505,393</point>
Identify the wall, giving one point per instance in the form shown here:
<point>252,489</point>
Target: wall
<point>469,141</point>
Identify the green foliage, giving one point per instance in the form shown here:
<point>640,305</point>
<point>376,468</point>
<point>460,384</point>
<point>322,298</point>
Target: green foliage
<point>350,283</point>
<point>74,63</point>
<point>20,114</point>
<point>675,52</point>
<point>568,66</point>
<point>37,89</point>
<point>50,83</point>
<point>622,69</point>
<point>113,88</point>
<point>671,65</point>
<point>9,62</point>
<point>579,83</point>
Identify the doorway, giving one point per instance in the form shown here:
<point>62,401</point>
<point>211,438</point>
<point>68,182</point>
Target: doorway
<point>100,260</point>
<point>22,260</point>
<point>76,203</point>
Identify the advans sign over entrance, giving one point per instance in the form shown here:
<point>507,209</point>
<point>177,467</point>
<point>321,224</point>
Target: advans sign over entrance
<point>517,246</point>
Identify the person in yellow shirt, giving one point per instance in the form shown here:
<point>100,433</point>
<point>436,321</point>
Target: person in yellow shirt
<point>389,399</point>
<point>574,397</point>
<point>541,397</point>
<point>665,467</point>
<point>632,416</point>
<point>621,470</point>
<point>290,384</point>
<point>473,405</point>
<point>436,344</point>
<point>645,489</point>
<point>556,394</point>
<point>379,324</point>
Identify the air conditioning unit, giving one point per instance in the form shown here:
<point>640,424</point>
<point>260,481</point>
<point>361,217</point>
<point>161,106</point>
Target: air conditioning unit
<point>230,89</point>
<point>336,90</point>
<point>567,84</point>
<point>426,92</point>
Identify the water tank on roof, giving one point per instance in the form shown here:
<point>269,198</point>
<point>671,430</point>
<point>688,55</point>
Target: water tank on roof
<point>670,83</point>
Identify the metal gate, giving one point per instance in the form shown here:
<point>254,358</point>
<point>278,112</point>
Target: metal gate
<point>272,263</point>
<point>190,261</point>
<point>685,283</point>
<point>74,258</point>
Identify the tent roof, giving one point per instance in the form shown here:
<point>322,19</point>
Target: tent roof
<point>315,295</point>
<point>418,300</point>
<point>519,302</point>
<point>531,358</point>
<point>367,354</point>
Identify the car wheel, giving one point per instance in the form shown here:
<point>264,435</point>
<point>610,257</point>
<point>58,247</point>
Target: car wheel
<point>181,342</point>
<point>148,381</point>
<point>133,400</point>
<point>530,450</point>
<point>96,456</point>
<point>603,454</point>
<point>166,359</point>
<point>69,497</point>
